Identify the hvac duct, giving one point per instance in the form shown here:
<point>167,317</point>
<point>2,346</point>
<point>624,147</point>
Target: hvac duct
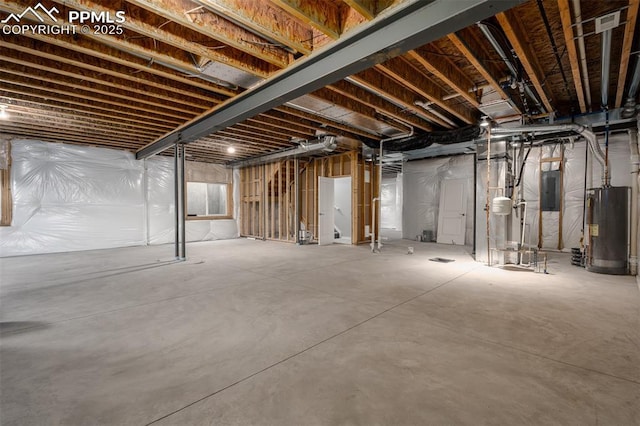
<point>591,138</point>
<point>328,144</point>
<point>605,67</point>
<point>630,104</point>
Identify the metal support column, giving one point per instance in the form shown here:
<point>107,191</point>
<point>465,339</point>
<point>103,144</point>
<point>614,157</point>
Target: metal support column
<point>296,186</point>
<point>176,187</point>
<point>183,209</point>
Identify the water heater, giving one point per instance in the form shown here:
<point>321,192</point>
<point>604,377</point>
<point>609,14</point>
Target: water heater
<point>608,230</point>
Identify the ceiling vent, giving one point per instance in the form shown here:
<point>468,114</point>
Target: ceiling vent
<point>607,22</point>
<point>497,109</point>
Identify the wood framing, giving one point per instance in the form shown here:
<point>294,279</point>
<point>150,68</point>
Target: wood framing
<point>267,195</point>
<point>520,43</point>
<point>567,27</point>
<point>629,31</point>
<point>5,183</point>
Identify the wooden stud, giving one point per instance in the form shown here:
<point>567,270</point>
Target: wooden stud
<point>567,21</point>
<point>629,31</point>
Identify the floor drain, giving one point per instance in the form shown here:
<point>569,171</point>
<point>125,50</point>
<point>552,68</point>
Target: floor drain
<point>441,260</point>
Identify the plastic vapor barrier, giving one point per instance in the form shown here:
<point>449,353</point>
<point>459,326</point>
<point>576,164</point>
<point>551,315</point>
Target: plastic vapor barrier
<point>391,203</point>
<point>573,187</point>
<point>69,198</point>
<point>421,183</point>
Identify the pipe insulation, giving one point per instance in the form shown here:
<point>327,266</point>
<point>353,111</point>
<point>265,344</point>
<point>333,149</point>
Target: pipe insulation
<point>591,138</point>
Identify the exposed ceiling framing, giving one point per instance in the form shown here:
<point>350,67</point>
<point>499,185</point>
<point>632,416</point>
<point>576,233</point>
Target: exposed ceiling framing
<point>176,60</point>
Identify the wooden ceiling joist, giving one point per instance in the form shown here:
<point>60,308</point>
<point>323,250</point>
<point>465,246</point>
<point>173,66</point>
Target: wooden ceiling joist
<point>567,28</point>
<point>42,129</point>
<point>323,15</point>
<point>79,102</point>
<point>264,18</point>
<point>375,105</point>
<point>86,111</point>
<point>435,62</point>
<point>98,50</point>
<point>328,124</point>
<point>203,21</point>
<point>69,125</point>
<point>313,126</point>
<point>521,45</point>
<point>88,86</point>
<point>77,73</point>
<point>629,32</point>
<point>70,121</point>
<point>402,71</point>
<point>65,88</point>
<point>256,129</point>
<point>467,47</point>
<point>394,91</point>
<point>82,63</point>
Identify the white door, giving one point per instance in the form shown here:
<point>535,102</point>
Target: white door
<point>325,211</point>
<point>453,208</point>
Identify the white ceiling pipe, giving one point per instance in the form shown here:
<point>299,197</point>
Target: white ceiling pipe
<point>591,138</point>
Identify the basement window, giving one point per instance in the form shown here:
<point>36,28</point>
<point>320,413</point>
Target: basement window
<point>208,200</point>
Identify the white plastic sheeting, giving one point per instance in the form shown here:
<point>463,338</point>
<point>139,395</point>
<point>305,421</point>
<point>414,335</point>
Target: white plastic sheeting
<point>421,194</point>
<point>573,189</point>
<point>69,198</point>
<point>391,203</point>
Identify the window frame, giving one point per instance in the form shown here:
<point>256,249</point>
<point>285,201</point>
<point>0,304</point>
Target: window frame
<point>226,216</point>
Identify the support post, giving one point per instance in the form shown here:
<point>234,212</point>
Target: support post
<point>176,173</point>
<point>183,210</point>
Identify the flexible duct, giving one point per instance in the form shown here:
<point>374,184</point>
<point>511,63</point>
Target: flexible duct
<point>591,138</point>
<point>328,144</point>
<point>445,137</point>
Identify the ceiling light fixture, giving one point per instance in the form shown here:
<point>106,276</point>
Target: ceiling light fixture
<point>231,150</point>
<point>4,115</point>
<point>485,121</point>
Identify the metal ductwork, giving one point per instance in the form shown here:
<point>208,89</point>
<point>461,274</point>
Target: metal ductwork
<point>605,63</point>
<point>630,105</point>
<point>591,138</point>
<point>514,72</point>
<point>326,144</point>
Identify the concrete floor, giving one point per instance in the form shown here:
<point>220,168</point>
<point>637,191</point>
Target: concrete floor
<point>251,332</point>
